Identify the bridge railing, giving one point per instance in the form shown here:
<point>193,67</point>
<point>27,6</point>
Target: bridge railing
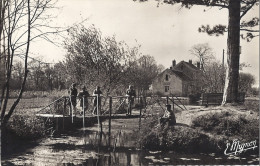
<point>119,105</point>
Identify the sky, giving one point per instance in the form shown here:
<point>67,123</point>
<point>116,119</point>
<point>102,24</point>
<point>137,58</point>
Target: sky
<point>166,32</point>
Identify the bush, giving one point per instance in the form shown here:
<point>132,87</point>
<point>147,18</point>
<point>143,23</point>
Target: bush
<point>229,124</point>
<point>153,136</point>
<point>253,105</point>
<point>26,126</point>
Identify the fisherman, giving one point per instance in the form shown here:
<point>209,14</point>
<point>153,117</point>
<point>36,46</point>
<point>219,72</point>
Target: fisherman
<point>130,93</point>
<point>83,96</point>
<point>97,101</point>
<point>168,117</point>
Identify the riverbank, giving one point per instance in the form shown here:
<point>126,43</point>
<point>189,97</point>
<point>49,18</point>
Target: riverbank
<point>84,147</point>
<point>200,134</point>
<point>201,129</point>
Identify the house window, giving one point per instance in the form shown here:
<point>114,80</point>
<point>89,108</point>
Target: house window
<point>166,88</point>
<point>166,77</point>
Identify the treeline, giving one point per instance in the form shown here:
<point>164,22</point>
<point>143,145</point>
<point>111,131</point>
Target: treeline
<point>92,60</point>
<point>214,72</point>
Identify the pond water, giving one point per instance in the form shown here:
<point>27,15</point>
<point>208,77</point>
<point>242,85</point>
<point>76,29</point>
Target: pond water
<point>86,147</point>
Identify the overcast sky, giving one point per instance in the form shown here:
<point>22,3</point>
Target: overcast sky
<point>165,32</point>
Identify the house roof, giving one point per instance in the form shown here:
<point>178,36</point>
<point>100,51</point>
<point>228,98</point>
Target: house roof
<point>175,70</point>
<point>191,66</point>
<point>181,75</point>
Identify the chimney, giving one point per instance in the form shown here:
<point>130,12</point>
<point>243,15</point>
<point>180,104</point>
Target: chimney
<point>173,63</point>
<point>198,65</point>
<point>190,61</point>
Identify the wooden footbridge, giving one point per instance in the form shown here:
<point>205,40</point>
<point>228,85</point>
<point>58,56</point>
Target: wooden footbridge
<point>61,112</point>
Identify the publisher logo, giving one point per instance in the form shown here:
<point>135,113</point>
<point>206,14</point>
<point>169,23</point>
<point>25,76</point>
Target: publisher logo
<point>236,147</point>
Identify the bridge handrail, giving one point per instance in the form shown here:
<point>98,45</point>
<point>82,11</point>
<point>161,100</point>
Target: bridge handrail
<point>50,104</point>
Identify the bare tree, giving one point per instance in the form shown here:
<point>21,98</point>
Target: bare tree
<point>23,21</point>
<point>203,52</point>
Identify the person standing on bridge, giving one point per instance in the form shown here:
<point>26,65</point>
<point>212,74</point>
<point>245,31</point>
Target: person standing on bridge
<point>97,101</point>
<point>83,96</point>
<point>73,92</point>
<point>130,93</point>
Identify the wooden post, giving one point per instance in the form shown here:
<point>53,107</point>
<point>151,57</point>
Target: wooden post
<point>145,104</point>
<point>83,104</point>
<point>109,122</point>
<point>98,111</point>
<point>64,109</point>
<point>172,104</point>
<point>71,106</point>
<point>98,115</point>
<point>207,100</point>
<point>130,105</point>
<point>57,123</point>
<point>140,115</point>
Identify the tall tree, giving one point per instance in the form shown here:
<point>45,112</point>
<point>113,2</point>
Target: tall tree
<point>237,9</point>
<point>21,21</point>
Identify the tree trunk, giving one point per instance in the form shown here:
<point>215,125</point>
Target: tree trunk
<point>233,43</point>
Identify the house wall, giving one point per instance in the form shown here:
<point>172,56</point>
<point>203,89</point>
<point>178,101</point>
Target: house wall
<point>174,83</point>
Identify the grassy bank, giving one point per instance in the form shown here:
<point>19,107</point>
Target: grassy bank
<point>244,127</point>
<point>182,138</point>
<point>208,131</point>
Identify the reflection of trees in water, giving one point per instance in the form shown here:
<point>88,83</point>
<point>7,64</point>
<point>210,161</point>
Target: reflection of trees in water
<point>116,154</point>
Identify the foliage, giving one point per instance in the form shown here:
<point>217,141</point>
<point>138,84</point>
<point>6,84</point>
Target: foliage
<point>252,105</point>
<point>246,81</point>
<point>229,124</point>
<point>95,60</point>
<point>214,77</point>
<point>153,136</point>
<point>27,126</point>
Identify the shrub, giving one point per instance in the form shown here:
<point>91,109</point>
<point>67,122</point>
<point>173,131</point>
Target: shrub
<point>153,136</point>
<point>252,105</point>
<point>26,126</point>
<point>228,124</point>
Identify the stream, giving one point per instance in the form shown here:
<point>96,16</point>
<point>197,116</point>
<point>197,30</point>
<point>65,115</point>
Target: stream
<point>86,147</point>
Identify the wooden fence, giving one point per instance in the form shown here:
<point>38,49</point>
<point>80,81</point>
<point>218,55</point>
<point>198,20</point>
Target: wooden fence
<point>216,98</point>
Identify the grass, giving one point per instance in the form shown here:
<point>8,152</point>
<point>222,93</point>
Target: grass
<point>40,94</point>
<point>209,131</point>
<point>252,104</point>
<point>229,123</point>
<point>179,138</point>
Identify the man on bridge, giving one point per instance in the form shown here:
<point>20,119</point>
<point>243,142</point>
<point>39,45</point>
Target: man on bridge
<point>83,96</point>
<point>130,93</point>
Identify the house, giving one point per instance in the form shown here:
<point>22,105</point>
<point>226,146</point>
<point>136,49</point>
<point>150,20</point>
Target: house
<point>182,79</point>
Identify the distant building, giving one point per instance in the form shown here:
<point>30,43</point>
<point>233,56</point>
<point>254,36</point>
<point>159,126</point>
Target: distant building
<point>182,79</point>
